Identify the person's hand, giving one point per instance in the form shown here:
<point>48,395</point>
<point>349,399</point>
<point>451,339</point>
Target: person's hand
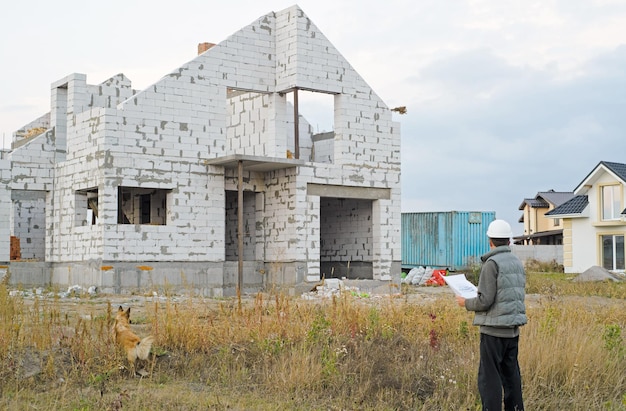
<point>460,301</point>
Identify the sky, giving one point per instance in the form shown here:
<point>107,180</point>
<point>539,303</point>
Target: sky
<point>505,98</point>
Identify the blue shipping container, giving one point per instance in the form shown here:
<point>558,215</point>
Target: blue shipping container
<point>452,239</point>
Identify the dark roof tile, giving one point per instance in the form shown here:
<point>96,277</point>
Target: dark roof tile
<point>556,197</point>
<point>618,168</point>
<point>574,206</point>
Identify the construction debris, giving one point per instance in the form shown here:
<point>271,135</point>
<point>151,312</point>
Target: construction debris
<point>596,273</point>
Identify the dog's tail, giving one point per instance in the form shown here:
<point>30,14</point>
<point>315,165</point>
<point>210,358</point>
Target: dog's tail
<point>143,348</point>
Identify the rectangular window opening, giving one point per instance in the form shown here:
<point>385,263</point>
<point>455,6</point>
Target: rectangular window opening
<point>86,206</point>
<point>137,205</point>
<point>316,124</point>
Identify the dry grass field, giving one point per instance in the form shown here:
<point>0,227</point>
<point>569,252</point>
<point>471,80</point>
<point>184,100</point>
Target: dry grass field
<point>416,350</point>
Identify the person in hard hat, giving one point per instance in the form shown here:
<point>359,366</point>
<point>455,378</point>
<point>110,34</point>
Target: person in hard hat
<point>499,312</point>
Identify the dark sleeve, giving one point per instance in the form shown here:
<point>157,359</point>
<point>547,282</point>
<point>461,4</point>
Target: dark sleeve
<point>487,284</point>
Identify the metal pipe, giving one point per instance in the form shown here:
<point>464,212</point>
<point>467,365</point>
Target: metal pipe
<point>239,229</point>
<point>296,124</point>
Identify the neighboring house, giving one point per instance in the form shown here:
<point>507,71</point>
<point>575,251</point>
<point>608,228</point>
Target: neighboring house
<point>539,229</point>
<point>209,178</point>
<point>594,220</point>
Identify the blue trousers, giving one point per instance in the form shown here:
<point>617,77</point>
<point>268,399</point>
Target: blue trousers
<point>499,371</point>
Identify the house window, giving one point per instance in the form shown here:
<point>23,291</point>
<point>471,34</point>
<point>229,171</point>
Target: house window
<point>142,205</point>
<point>86,203</point>
<point>611,204</point>
<point>613,252</point>
<point>557,222</point>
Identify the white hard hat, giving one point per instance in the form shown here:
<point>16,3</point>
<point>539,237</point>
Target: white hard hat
<point>499,229</point>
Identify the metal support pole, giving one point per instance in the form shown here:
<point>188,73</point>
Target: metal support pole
<point>239,229</point>
<point>296,124</point>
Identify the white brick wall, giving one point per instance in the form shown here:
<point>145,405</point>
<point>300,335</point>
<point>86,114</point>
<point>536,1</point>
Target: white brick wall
<point>32,164</point>
<point>29,226</point>
<point>346,230</point>
<point>5,209</point>
<point>249,225</point>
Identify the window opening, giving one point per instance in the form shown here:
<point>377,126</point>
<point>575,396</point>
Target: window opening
<point>312,112</point>
<point>142,205</point>
<point>86,206</point>
<point>317,108</point>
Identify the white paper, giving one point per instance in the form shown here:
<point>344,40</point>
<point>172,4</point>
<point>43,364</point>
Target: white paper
<point>461,286</point>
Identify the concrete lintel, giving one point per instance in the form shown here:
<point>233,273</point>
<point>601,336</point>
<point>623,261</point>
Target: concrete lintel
<point>363,193</point>
<point>62,83</point>
<point>255,163</point>
<point>19,195</point>
<point>329,135</point>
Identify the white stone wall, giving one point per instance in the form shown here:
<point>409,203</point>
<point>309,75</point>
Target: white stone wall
<point>283,220</point>
<point>323,150</point>
<point>253,122</point>
<point>69,237</point>
<point>249,226</point>
<point>304,56</point>
<point>5,208</point>
<point>138,150</point>
<point>346,226</point>
<point>32,171</point>
<point>109,93</point>
<point>29,224</point>
<point>250,124</point>
<point>386,226</point>
<point>32,164</point>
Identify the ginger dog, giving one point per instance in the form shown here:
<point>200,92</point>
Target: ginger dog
<point>135,347</point>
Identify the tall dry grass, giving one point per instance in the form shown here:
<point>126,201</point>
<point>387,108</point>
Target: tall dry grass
<point>275,352</point>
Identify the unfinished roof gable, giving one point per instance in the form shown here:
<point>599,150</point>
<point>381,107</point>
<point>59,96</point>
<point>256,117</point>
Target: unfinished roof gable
<point>304,56</point>
<point>277,52</point>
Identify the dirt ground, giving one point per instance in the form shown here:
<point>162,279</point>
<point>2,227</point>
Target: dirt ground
<point>87,305</point>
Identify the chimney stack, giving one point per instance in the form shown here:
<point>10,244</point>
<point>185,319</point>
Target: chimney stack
<point>202,47</point>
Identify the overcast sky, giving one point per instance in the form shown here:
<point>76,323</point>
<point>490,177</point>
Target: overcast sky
<point>504,98</point>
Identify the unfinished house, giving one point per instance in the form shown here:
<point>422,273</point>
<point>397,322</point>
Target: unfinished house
<point>210,178</point>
